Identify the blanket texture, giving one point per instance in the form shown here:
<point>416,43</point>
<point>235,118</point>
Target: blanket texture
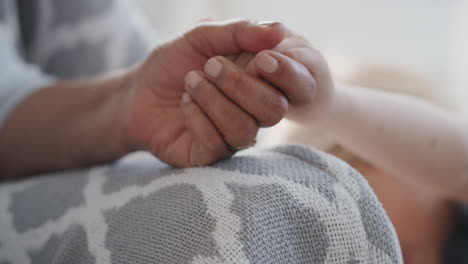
<point>290,204</point>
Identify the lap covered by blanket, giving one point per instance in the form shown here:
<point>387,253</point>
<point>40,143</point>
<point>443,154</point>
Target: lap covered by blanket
<point>290,204</point>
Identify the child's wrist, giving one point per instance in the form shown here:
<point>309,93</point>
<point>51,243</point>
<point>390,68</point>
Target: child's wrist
<point>333,111</point>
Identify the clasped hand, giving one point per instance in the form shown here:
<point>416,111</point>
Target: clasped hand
<point>200,97</point>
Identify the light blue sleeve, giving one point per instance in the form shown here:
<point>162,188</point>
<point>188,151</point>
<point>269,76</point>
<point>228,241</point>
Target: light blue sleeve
<point>85,38</point>
<point>66,39</point>
<point>17,78</point>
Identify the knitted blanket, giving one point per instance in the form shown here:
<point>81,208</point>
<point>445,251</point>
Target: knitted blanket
<point>290,204</point>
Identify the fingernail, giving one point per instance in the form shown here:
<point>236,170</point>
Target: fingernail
<point>192,79</point>
<point>267,63</point>
<point>213,67</point>
<point>268,23</point>
<point>186,98</point>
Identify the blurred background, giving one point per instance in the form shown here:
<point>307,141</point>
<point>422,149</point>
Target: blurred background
<point>426,36</point>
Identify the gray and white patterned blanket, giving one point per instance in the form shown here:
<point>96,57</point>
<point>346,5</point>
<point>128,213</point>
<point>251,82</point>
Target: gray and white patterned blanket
<point>42,41</point>
<point>287,205</point>
<point>290,204</point>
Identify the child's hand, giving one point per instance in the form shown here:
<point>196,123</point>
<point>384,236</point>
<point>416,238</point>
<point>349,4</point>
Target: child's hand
<point>294,71</point>
<point>299,71</point>
<point>220,119</point>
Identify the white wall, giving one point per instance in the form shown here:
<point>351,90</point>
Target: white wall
<point>172,17</point>
<point>458,55</point>
<point>425,35</point>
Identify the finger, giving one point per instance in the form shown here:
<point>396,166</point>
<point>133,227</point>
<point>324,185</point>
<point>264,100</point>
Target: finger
<point>316,64</point>
<point>287,74</point>
<point>255,96</point>
<point>234,36</point>
<point>236,126</point>
<point>291,41</point>
<point>244,59</point>
<point>208,144</point>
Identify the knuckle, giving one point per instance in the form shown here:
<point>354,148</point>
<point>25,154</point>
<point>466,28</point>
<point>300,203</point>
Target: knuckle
<point>201,28</point>
<point>243,133</point>
<point>249,132</point>
<point>196,30</point>
<point>191,36</point>
<point>304,88</point>
<point>278,107</point>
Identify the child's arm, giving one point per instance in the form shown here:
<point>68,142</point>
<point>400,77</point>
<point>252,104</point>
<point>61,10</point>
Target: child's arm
<point>403,135</point>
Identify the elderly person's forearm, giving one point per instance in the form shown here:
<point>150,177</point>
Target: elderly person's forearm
<point>66,125</point>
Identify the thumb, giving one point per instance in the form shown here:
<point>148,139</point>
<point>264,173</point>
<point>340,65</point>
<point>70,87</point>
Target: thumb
<point>234,36</point>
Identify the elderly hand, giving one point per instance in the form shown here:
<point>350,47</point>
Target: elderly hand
<point>302,74</point>
<point>294,68</point>
<point>183,133</point>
